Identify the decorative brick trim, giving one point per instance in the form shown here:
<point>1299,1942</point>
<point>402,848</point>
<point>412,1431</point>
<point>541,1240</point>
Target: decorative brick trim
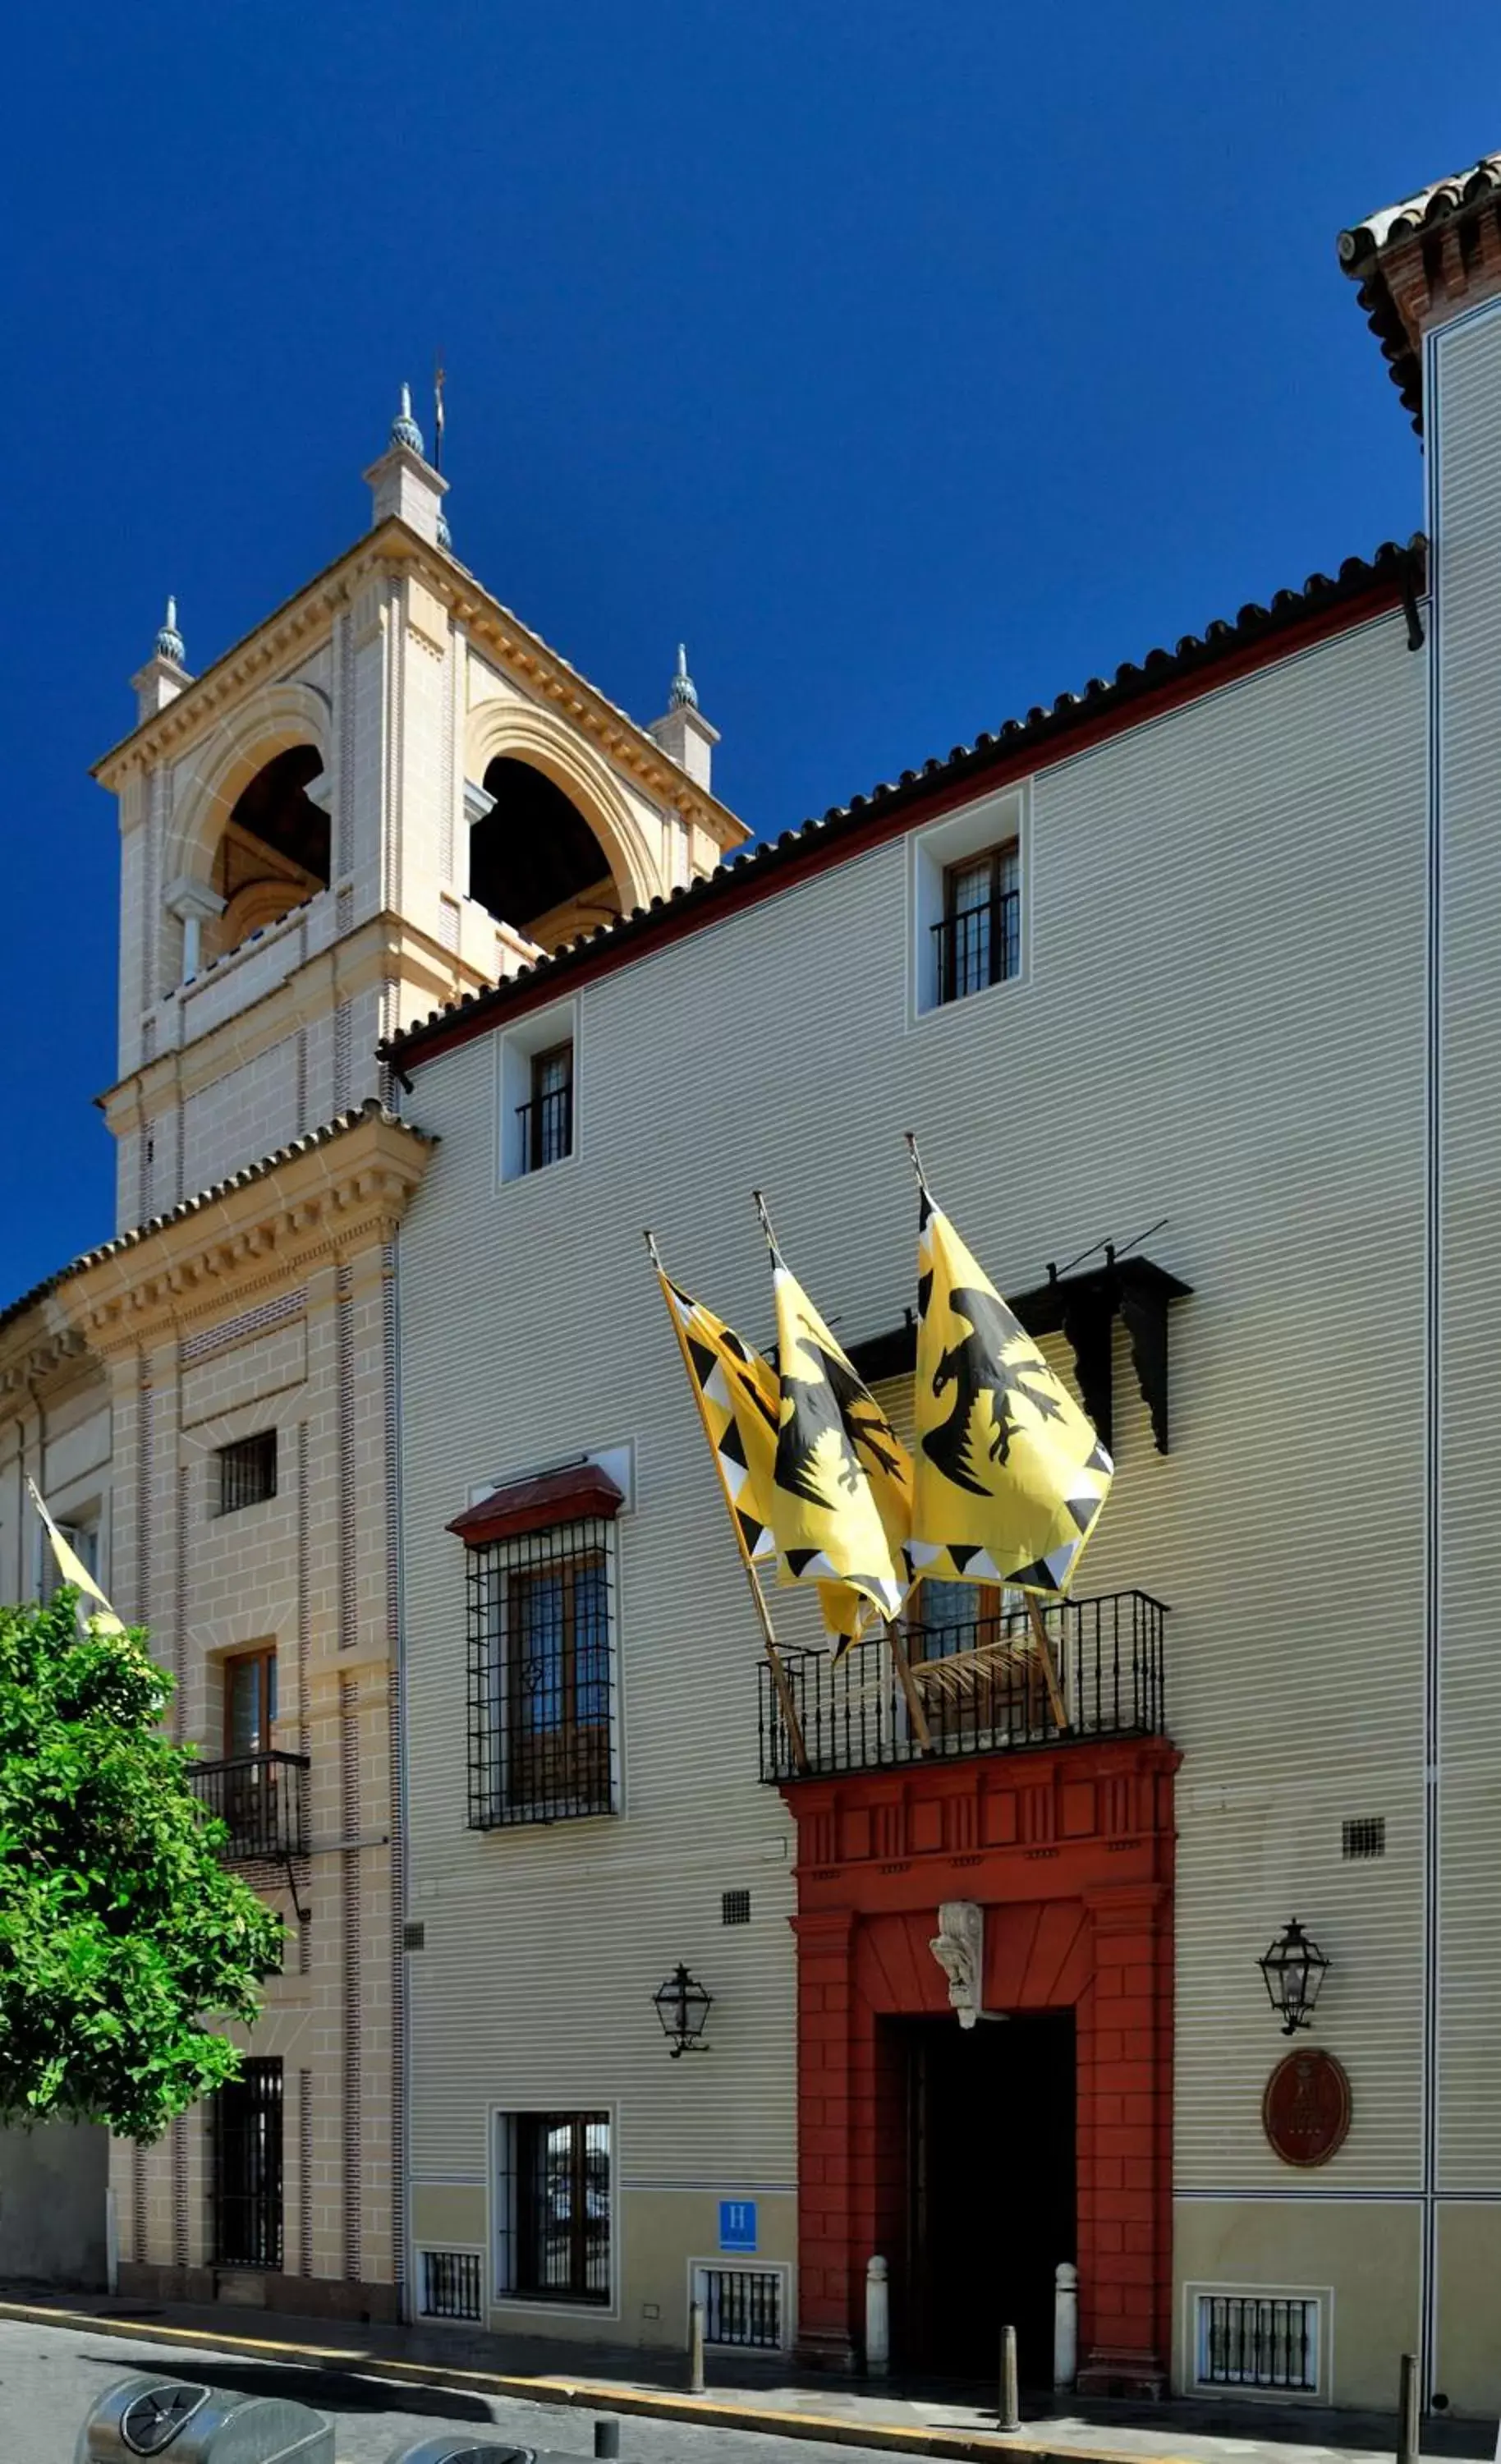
<point>211,1340</point>
<point>344,834</point>
<point>144,1415</point>
<point>305,2172</point>
<point>348,1545</point>
<point>179,1608</point>
<point>349,1880</point>
<point>179,2159</point>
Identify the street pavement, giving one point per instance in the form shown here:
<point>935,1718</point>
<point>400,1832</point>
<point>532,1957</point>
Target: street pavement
<point>50,2376</point>
<point>53,2368</point>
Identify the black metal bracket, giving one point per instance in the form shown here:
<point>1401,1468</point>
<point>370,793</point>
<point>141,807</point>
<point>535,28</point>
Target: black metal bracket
<point>1083,1309</point>
<point>298,1909</point>
<point>1409,606</point>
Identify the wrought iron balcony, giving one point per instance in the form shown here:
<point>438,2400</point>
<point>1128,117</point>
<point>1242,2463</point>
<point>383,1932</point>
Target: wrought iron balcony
<point>263,1800</point>
<point>982,1688</point>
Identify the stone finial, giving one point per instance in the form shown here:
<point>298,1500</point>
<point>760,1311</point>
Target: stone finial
<point>444,534</point>
<point>169,641</point>
<point>165,672</point>
<point>683,694</point>
<point>405,484</point>
<point>404,429</point>
<point>683,732</point>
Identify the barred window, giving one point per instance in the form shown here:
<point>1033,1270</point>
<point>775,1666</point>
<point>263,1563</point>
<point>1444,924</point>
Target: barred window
<point>978,941</point>
<point>552,2206</point>
<point>542,1676</point>
<point>245,1472</point>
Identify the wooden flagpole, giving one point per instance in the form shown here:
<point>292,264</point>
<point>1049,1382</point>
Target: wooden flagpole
<point>774,1660</point>
<point>1044,1648</point>
<point>908,1685</point>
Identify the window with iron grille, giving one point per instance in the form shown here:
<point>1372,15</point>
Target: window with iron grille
<point>734,1907</point>
<point>742,2305</point>
<point>1259,2340</point>
<point>547,1118</point>
<point>552,2207</point>
<point>542,1678</point>
<point>977,942</point>
<point>245,1472</point>
<point>448,2283</point>
<point>1364,1834</point>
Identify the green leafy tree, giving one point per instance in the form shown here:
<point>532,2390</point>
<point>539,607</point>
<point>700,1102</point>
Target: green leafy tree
<point>123,1938</point>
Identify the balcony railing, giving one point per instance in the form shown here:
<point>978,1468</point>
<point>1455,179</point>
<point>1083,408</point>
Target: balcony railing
<point>978,946</point>
<point>979,1689</point>
<point>263,1799</point>
<point>547,1128</point>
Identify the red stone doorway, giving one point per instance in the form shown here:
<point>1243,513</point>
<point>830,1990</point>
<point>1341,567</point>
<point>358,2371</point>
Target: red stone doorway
<point>1069,1852</point>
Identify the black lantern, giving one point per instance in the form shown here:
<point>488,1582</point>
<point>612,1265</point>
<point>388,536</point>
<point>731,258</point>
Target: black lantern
<point>683,2007</point>
<point>1295,1968</point>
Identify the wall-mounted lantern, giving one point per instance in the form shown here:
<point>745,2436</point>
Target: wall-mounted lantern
<point>1295,1968</point>
<point>681,2006</point>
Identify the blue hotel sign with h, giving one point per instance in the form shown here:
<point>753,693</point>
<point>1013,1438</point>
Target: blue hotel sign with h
<point>737,2224</point>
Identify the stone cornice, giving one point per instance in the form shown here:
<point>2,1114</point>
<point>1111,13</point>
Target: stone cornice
<point>301,624</point>
<point>316,1202</point>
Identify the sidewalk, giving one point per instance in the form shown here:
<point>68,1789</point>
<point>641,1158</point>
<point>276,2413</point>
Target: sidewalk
<point>764,2395</point>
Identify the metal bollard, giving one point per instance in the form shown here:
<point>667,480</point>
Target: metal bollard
<point>1010,2408</point>
<point>878,2321</point>
<point>1408,2432</point>
<point>695,2349</point>
<point>1065,2325</point>
<point>607,2436</point>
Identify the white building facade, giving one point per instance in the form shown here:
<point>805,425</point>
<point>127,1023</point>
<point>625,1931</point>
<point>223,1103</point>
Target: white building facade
<point>1196,965</point>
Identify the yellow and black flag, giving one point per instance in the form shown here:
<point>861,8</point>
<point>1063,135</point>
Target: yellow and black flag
<point>841,1501</point>
<point>1010,1474</point>
<point>735,1389</point>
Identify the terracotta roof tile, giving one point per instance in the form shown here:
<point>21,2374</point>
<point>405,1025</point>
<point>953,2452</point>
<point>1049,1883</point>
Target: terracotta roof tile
<point>1043,726</point>
<point>1364,246</point>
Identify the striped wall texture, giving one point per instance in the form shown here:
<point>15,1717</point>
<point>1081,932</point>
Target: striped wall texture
<point>1221,1020</point>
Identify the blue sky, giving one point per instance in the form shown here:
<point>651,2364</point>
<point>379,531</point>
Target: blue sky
<point>914,363</point>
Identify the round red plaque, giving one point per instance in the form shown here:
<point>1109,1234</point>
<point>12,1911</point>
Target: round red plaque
<point>1305,2111</point>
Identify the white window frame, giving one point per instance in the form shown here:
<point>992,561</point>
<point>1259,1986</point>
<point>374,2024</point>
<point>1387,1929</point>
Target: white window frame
<point>994,821</point>
<point>500,2176</point>
<point>540,1031</point>
<point>1197,2295</point>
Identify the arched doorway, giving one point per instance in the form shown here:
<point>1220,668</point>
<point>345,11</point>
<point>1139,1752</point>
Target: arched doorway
<point>535,862</point>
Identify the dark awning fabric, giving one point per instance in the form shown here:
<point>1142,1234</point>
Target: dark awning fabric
<point>575,1494</point>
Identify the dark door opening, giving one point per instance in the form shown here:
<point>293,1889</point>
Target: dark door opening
<point>246,2169</point>
<point>992,2197</point>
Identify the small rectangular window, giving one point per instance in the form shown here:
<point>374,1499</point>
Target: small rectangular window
<point>542,1676</point>
<point>247,1472</point>
<point>547,1119</point>
<point>734,1907</point>
<point>742,2305</point>
<point>449,2284</point>
<point>977,940</point>
<point>1364,1834</point>
<point>1259,2340</point>
<point>552,2207</point>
